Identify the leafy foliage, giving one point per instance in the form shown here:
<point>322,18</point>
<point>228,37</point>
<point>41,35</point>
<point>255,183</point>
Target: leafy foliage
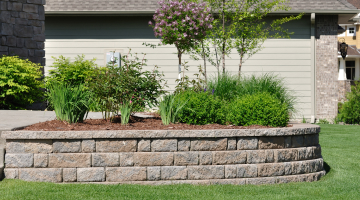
<point>350,110</point>
<point>258,109</point>
<point>20,82</point>
<point>71,103</point>
<point>185,83</point>
<point>112,86</point>
<point>169,108</point>
<point>125,110</point>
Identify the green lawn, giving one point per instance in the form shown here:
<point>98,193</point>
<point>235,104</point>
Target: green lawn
<point>340,149</point>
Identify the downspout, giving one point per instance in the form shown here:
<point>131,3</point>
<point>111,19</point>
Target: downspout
<point>313,69</point>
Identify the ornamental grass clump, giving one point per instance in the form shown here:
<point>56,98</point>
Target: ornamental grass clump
<point>170,107</point>
<point>71,103</point>
<point>125,110</point>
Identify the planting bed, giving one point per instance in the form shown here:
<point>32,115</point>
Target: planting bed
<point>222,156</point>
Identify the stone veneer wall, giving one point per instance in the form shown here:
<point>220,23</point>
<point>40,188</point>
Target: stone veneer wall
<point>327,85</point>
<point>22,29</point>
<point>262,156</point>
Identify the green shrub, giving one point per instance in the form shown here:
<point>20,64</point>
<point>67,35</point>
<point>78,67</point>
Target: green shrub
<point>258,109</point>
<point>111,86</point>
<point>201,108</point>
<point>73,73</point>
<point>350,110</point>
<point>20,82</point>
<point>71,103</point>
<point>224,86</point>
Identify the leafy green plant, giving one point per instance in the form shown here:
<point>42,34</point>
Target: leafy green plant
<point>20,82</point>
<point>71,103</point>
<point>323,121</point>
<point>169,109</point>
<point>73,73</point>
<point>125,110</point>
<point>225,86</point>
<point>350,110</point>
<point>112,86</point>
<point>185,83</point>
<point>303,120</point>
<point>201,108</point>
<point>258,109</point>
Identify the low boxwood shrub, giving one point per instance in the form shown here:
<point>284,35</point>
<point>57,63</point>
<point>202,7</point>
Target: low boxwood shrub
<point>201,108</point>
<point>20,82</point>
<point>258,109</point>
<point>350,110</point>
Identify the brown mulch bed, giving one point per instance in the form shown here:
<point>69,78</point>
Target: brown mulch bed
<point>135,123</point>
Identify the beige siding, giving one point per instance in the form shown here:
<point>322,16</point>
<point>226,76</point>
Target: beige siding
<point>288,58</point>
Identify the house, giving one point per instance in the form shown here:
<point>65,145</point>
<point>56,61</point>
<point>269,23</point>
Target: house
<point>308,61</point>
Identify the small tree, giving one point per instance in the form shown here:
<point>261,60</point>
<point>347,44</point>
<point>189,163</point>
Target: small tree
<point>251,28</point>
<point>181,23</point>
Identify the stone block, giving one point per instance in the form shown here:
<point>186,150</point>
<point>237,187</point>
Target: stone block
<point>300,167</point>
<point>40,53</point>
<point>39,2</point>
<point>286,179</point>
<point>269,156</point>
<point>271,142</point>
<point>153,159</point>
<point>33,16</point>
<point>31,44</point>
<point>285,155</point>
<point>11,41</point>
<point>205,158</point>
<point>115,145</point>
<point>30,8</point>
<point>69,160</point>
<point>21,52</point>
<point>287,141</point>
<point>69,175</point>
<point>261,181</point>
<point>17,6</point>
<point>39,38</point>
<point>231,144</point>
<point>126,159</point>
<point>31,54</point>
<point>105,160</point>
<point>228,181</point>
<point>21,21</point>
<point>19,160</point>
<point>143,145</point>
<point>311,140</point>
<point>29,146</point>
<point>88,146</point>
<point>20,42</point>
<point>206,172</point>
<point>67,146</point>
<point>256,156</point>
<point>119,174</point>
<point>247,171</point>
<point>23,15</point>
<point>186,158</point>
<point>183,145</point>
<point>271,169</point>
<point>11,173</point>
<point>229,157</point>
<point>317,151</point>
<point>247,143</point>
<point>164,145</point>
<point>23,31</point>
<point>94,174</point>
<point>297,141</point>
<point>5,17</point>
<point>153,173</point>
<point>305,178</point>
<point>230,171</point>
<point>41,160</point>
<point>41,175</point>
<point>288,168</point>
<point>209,144</point>
<point>174,173</point>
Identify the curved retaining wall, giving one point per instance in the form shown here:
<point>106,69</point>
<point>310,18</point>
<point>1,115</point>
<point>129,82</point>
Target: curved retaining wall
<point>257,156</point>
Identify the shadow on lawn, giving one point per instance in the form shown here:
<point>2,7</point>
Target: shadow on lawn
<point>327,167</point>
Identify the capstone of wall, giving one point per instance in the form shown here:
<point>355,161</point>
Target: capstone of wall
<point>327,84</point>
<point>258,156</point>
<point>22,29</point>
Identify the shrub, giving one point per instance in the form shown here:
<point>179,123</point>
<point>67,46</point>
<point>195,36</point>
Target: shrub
<point>73,73</point>
<point>201,108</point>
<point>20,82</point>
<point>112,86</point>
<point>258,109</point>
<point>71,103</point>
<point>350,110</point>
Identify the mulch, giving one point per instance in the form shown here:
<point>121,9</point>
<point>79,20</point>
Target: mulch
<point>135,123</point>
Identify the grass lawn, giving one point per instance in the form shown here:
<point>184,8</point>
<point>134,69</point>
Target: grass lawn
<point>340,149</point>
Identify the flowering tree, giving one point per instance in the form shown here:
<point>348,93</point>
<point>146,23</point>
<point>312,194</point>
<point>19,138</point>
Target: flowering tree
<point>181,23</point>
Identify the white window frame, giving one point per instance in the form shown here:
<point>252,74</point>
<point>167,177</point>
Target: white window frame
<point>348,31</point>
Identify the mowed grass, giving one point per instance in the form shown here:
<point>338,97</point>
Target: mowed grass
<point>340,149</point>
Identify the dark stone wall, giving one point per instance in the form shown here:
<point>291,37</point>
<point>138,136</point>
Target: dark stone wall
<point>22,29</point>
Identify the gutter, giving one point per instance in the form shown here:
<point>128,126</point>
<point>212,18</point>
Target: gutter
<point>151,12</point>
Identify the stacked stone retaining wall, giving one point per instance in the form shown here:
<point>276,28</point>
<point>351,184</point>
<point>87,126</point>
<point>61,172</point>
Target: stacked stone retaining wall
<point>258,156</point>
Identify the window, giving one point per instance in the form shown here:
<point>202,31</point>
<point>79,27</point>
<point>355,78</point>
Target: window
<point>351,31</point>
<point>350,70</point>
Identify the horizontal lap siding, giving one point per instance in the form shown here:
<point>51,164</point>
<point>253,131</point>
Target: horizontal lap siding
<point>93,36</point>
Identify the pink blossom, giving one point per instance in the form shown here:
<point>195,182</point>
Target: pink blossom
<point>185,35</point>
<point>130,101</point>
<point>150,23</point>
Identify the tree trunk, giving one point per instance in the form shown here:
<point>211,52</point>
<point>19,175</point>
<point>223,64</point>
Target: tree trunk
<point>223,49</point>
<point>202,46</point>
<point>179,68</point>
